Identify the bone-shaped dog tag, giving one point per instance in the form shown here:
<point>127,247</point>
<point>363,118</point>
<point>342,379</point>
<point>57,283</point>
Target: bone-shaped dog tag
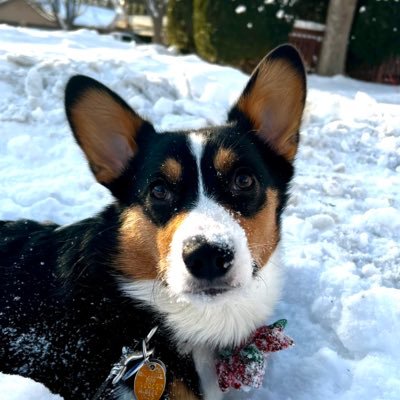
<point>150,381</point>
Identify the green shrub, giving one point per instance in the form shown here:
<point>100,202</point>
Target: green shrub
<point>375,34</point>
<point>237,32</point>
<point>180,25</point>
<point>309,10</point>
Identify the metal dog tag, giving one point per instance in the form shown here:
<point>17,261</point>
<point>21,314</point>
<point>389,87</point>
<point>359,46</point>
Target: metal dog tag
<point>150,380</point>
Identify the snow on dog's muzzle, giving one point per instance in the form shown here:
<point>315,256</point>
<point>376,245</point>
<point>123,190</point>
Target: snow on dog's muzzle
<point>209,253</point>
<point>207,260</point>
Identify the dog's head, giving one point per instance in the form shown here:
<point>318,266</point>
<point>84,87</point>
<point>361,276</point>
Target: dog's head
<point>200,210</point>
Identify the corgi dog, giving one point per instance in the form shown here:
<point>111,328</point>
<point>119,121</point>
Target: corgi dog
<point>190,244</point>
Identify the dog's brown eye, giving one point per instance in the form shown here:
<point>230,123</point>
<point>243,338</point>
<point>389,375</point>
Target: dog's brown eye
<point>160,192</point>
<point>243,181</point>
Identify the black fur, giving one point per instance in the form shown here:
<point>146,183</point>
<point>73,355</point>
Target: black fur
<point>254,157</point>
<point>63,320</point>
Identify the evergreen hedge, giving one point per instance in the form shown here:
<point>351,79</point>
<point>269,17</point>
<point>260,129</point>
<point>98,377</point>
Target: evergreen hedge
<point>375,34</point>
<point>309,10</point>
<point>180,25</point>
<point>238,33</point>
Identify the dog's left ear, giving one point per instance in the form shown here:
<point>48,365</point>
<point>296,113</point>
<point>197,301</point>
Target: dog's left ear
<point>273,100</point>
<point>104,126</point>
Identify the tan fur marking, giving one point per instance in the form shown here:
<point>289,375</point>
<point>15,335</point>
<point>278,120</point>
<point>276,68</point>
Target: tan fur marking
<point>138,254</point>
<point>179,391</point>
<point>224,159</point>
<point>262,231</point>
<point>106,131</point>
<point>275,105</point>
<point>164,239</point>
<point>172,169</point>
<point>143,247</point>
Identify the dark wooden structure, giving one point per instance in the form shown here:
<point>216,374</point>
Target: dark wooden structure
<point>307,37</point>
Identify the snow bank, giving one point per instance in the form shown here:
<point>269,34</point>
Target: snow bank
<point>341,229</point>
<point>18,388</point>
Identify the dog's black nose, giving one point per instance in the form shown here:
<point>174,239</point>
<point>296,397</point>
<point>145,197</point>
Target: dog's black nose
<point>206,260</point>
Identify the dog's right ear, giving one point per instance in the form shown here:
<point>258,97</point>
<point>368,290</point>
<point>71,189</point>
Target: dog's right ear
<point>273,100</point>
<point>104,126</point>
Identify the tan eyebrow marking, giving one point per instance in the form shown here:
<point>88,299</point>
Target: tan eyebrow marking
<point>224,159</point>
<point>172,169</point>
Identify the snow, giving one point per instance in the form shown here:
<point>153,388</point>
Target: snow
<point>310,25</point>
<point>341,229</point>
<point>18,388</point>
<point>94,16</point>
<point>240,9</point>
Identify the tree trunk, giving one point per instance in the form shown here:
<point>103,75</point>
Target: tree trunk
<point>71,9</point>
<point>157,29</point>
<point>157,10</point>
<point>334,47</point>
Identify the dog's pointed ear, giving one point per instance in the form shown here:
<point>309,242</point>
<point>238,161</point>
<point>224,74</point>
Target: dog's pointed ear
<point>273,100</point>
<point>104,126</point>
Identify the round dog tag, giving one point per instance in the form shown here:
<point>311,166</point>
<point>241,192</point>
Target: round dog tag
<point>150,381</point>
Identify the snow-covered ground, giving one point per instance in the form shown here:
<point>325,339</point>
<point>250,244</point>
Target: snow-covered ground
<point>341,228</point>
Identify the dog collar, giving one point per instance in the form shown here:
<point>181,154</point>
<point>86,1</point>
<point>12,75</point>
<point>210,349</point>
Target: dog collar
<point>149,373</point>
<point>243,367</point>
